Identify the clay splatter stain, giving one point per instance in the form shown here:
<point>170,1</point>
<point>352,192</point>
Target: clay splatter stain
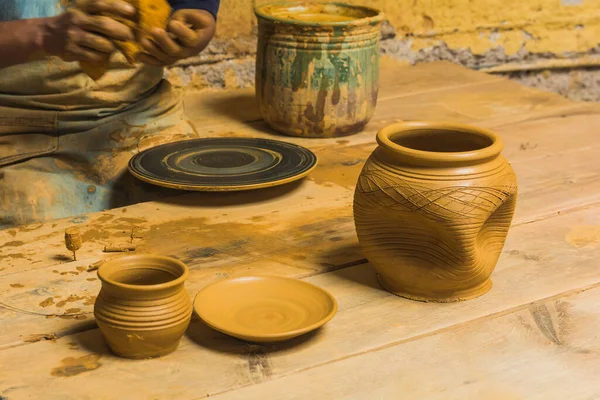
<point>12,232</point>
<point>90,301</point>
<point>73,310</point>
<point>341,166</point>
<point>95,234</point>
<point>47,303</point>
<point>258,218</point>
<point>14,243</point>
<point>39,337</point>
<point>70,299</point>
<point>81,269</point>
<point>14,255</point>
<point>528,146</point>
<point>105,218</point>
<point>72,366</point>
<point>584,237</point>
<point>16,285</point>
<point>91,279</point>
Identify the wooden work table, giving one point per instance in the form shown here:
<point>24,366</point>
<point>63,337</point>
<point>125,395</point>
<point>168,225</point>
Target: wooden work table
<point>534,336</point>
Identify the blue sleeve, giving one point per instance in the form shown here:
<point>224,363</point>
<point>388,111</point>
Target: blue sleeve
<point>212,6</point>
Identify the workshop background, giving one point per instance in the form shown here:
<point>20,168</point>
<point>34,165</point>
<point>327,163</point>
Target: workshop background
<point>553,45</point>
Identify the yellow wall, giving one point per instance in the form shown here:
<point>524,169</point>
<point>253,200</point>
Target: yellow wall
<point>552,34</point>
<point>554,26</point>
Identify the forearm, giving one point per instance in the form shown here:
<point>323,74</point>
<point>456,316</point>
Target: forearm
<point>22,41</point>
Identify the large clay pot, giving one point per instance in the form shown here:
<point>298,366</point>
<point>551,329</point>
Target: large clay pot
<point>432,208</point>
<point>317,67</point>
<point>143,309</point>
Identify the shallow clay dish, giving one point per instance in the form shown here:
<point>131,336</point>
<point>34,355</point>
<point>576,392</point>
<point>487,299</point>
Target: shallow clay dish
<point>264,308</point>
<point>223,164</point>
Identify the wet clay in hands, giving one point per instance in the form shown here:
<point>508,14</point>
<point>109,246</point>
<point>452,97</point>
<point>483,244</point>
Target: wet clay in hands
<point>150,14</point>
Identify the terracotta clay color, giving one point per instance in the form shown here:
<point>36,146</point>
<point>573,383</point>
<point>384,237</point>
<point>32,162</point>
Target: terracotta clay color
<point>264,308</point>
<point>317,67</point>
<point>432,209</point>
<point>143,309</point>
<point>151,14</point>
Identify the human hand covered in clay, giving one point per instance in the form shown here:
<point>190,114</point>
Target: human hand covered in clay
<point>79,34</point>
<point>187,34</point>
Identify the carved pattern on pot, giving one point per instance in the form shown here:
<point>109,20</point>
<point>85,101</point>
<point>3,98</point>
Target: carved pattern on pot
<point>434,233</point>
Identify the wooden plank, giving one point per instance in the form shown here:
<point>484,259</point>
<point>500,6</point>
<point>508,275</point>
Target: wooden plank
<point>333,169</point>
<point>537,149</point>
<point>220,237</point>
<point>213,108</point>
<point>556,162</point>
<point>273,235</point>
<point>546,350</point>
<point>541,260</point>
<point>434,91</point>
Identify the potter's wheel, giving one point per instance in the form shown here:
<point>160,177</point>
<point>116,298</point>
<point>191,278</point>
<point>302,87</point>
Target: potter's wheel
<point>222,164</point>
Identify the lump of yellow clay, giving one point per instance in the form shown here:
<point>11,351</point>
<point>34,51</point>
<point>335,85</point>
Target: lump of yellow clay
<point>150,14</point>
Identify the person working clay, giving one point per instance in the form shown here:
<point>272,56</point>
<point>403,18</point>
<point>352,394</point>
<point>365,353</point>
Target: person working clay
<point>81,92</point>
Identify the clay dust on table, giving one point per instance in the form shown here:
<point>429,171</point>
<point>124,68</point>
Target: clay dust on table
<point>72,366</point>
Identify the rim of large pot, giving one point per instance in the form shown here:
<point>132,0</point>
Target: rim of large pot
<point>117,264</point>
<point>387,135</point>
<point>376,18</point>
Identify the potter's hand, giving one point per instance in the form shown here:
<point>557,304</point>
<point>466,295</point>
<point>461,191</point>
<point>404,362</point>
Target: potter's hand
<point>79,34</point>
<point>189,32</point>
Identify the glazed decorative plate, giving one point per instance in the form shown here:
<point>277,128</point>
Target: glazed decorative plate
<point>223,164</point>
<point>264,308</point>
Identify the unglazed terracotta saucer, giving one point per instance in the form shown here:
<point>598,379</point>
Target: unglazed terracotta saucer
<point>223,164</point>
<point>264,308</point>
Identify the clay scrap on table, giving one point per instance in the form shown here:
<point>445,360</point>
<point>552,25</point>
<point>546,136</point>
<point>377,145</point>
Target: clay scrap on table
<point>73,241</point>
<point>151,14</point>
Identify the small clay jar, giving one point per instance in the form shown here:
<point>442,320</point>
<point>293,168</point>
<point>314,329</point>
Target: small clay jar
<point>143,309</point>
<point>432,209</point>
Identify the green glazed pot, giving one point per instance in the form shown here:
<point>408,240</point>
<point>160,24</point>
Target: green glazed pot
<point>317,67</point>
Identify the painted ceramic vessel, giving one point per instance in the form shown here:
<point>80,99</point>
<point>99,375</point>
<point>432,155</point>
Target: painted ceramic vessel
<point>317,67</point>
<point>143,309</point>
<point>432,208</point>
